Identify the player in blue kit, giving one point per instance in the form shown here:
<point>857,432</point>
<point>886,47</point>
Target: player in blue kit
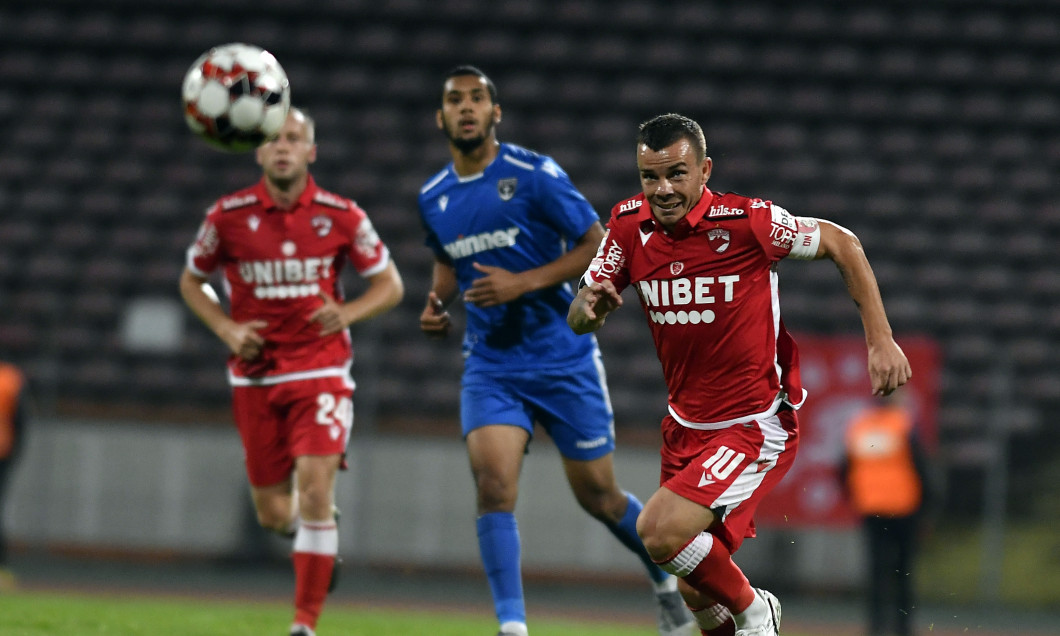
<point>509,231</point>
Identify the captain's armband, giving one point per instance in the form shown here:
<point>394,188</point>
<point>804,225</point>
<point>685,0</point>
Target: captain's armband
<point>807,239</point>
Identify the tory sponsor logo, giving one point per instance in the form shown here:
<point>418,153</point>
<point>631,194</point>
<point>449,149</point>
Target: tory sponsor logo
<point>471,245</point>
<point>781,235</point>
<point>681,300</point>
<point>208,241</point>
<point>609,263</point>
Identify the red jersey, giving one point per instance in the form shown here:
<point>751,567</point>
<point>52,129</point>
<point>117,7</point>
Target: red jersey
<point>275,263</point>
<point>709,290</point>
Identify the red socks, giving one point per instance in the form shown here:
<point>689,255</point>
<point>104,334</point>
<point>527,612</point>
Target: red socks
<point>706,565</point>
<point>315,547</point>
<point>312,574</point>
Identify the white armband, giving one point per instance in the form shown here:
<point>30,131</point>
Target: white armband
<point>807,239</point>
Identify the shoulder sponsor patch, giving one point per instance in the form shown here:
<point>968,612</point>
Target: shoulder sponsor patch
<point>626,207</point>
<point>238,201</point>
<point>330,200</point>
<point>725,211</point>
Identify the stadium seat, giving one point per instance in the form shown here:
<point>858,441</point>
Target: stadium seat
<point>926,130</point>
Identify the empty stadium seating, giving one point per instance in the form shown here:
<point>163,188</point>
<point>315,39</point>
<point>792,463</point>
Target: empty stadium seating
<point>928,130</point>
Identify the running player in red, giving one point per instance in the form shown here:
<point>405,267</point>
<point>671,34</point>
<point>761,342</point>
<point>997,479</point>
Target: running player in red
<point>704,266</point>
<point>281,245</point>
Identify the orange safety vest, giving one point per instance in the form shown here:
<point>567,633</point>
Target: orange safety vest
<point>882,477</point>
<point>10,388</point>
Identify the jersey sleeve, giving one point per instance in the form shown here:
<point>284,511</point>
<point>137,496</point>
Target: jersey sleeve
<point>611,260</point>
<point>782,234</point>
<point>204,254</point>
<point>368,254</point>
<point>431,238</point>
<point>565,207</point>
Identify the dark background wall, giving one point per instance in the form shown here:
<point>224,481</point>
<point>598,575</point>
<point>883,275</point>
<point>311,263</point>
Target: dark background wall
<point>927,128</point>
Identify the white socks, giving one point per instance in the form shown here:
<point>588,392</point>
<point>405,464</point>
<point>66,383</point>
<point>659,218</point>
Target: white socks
<point>757,613</point>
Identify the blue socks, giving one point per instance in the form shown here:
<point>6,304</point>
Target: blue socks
<point>626,532</point>
<point>498,543</point>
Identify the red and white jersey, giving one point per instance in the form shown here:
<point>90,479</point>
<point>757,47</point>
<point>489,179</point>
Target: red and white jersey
<point>709,290</point>
<point>275,263</point>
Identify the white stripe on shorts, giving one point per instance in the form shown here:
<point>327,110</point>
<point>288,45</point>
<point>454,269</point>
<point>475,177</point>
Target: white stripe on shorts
<point>751,478</point>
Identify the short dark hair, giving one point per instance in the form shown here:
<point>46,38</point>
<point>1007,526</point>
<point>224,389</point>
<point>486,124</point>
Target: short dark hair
<point>467,69</point>
<point>663,130</point>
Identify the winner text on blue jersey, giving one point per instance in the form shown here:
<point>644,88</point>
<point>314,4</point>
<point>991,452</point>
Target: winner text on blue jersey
<point>520,213</point>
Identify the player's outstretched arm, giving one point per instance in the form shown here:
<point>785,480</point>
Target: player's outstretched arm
<point>434,320</point>
<point>591,306</point>
<point>888,366</point>
<point>241,338</point>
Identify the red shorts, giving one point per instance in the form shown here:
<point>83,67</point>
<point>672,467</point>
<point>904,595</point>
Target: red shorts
<point>283,421</point>
<point>729,470</point>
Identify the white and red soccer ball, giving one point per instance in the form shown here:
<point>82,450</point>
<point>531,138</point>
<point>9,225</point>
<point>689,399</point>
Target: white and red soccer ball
<point>236,96</point>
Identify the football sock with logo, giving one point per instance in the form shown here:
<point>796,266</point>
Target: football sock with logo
<point>707,566</point>
<point>498,544</point>
<point>315,547</point>
<point>715,620</point>
<point>626,532</point>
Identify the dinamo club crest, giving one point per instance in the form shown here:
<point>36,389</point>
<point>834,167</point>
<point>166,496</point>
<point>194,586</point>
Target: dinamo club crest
<point>506,188</point>
<point>718,239</point>
<point>322,224</point>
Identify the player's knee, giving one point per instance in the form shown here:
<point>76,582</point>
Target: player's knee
<point>273,519</point>
<point>495,494</point>
<point>656,541</point>
<point>314,501</point>
<point>607,505</point>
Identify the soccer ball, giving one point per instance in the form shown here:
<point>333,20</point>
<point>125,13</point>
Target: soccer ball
<point>236,96</point>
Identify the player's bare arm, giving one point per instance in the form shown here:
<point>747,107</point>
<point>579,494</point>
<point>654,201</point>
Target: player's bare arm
<point>499,286</point>
<point>434,321</point>
<point>242,339</point>
<point>888,366</point>
<point>385,290</point>
<point>591,306</point>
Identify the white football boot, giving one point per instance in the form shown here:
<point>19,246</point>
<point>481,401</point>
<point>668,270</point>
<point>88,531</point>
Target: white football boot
<point>770,626</point>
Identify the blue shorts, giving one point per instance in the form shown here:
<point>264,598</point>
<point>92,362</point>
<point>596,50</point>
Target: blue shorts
<point>571,403</point>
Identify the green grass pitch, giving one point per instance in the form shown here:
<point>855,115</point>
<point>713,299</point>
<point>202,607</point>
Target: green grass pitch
<point>63,614</point>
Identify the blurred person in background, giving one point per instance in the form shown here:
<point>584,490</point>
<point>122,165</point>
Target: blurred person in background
<point>13,414</point>
<point>704,266</point>
<point>281,245</point>
<point>884,473</point>
<point>509,231</point>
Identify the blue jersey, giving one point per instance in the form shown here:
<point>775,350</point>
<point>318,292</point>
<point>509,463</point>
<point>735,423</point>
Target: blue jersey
<point>520,213</point>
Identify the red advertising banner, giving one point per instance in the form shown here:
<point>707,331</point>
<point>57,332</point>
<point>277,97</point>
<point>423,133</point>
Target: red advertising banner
<point>835,375</point>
